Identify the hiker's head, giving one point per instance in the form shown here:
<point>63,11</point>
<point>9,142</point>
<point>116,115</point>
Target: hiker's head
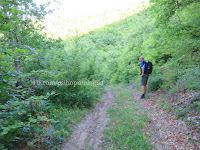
<point>141,58</point>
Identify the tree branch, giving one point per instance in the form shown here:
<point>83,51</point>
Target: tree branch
<point>177,3</point>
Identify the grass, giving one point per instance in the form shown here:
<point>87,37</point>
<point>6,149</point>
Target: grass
<point>126,122</point>
<point>51,134</point>
<point>66,119</point>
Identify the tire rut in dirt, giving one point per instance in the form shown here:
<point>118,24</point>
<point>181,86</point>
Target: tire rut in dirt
<point>89,133</point>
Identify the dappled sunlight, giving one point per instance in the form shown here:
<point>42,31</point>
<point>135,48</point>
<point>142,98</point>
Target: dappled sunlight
<point>77,17</point>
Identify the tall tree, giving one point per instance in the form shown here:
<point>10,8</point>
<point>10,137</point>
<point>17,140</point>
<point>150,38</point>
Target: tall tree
<point>19,20</point>
<point>166,9</point>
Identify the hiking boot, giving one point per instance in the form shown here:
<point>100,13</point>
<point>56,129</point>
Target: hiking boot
<point>142,96</point>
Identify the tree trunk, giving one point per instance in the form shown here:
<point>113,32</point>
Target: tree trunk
<point>17,65</point>
<point>12,44</point>
<point>177,3</point>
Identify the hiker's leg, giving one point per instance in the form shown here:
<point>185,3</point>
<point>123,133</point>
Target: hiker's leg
<point>143,92</point>
<point>143,89</point>
<point>144,85</point>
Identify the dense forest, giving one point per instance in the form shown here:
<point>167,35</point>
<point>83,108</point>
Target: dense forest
<point>38,109</point>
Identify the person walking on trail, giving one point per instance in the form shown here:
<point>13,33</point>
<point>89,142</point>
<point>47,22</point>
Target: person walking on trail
<point>144,76</point>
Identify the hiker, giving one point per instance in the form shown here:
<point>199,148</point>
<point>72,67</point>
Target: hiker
<point>144,76</point>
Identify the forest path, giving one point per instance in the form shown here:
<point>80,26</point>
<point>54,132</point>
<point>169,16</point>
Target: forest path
<point>89,132</point>
<point>166,132</point>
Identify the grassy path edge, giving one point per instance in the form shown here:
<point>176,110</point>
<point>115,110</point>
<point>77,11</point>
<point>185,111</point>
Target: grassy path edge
<point>124,130</point>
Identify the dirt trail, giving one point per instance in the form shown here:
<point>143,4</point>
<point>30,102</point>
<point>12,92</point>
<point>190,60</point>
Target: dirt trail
<point>89,133</point>
<point>167,132</point>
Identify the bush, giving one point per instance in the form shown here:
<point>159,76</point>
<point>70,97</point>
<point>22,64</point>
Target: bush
<point>82,96</point>
<point>78,96</point>
<point>190,79</point>
<point>154,83</point>
<point>21,119</point>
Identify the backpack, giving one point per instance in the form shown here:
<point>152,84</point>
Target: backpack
<point>148,67</point>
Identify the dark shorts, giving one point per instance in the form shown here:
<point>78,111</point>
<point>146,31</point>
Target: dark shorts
<point>144,79</point>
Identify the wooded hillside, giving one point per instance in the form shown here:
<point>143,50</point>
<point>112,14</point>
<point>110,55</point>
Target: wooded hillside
<point>167,33</point>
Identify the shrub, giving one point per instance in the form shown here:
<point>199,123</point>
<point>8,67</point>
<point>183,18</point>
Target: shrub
<point>21,119</point>
<point>82,96</point>
<point>190,79</point>
<point>79,96</point>
<point>154,83</point>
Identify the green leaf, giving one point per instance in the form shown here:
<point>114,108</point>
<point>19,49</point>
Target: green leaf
<point>42,118</point>
<point>3,107</point>
<point>5,130</point>
<point>32,120</point>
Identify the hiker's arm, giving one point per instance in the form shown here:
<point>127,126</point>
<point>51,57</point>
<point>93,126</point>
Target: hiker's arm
<point>142,72</point>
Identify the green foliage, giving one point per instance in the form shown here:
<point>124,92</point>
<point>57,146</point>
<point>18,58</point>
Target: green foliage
<point>154,82</point>
<point>80,93</point>
<point>190,79</point>
<point>167,34</point>
<point>181,113</point>
<point>80,96</point>
<point>20,118</point>
<point>58,131</point>
<point>23,108</point>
